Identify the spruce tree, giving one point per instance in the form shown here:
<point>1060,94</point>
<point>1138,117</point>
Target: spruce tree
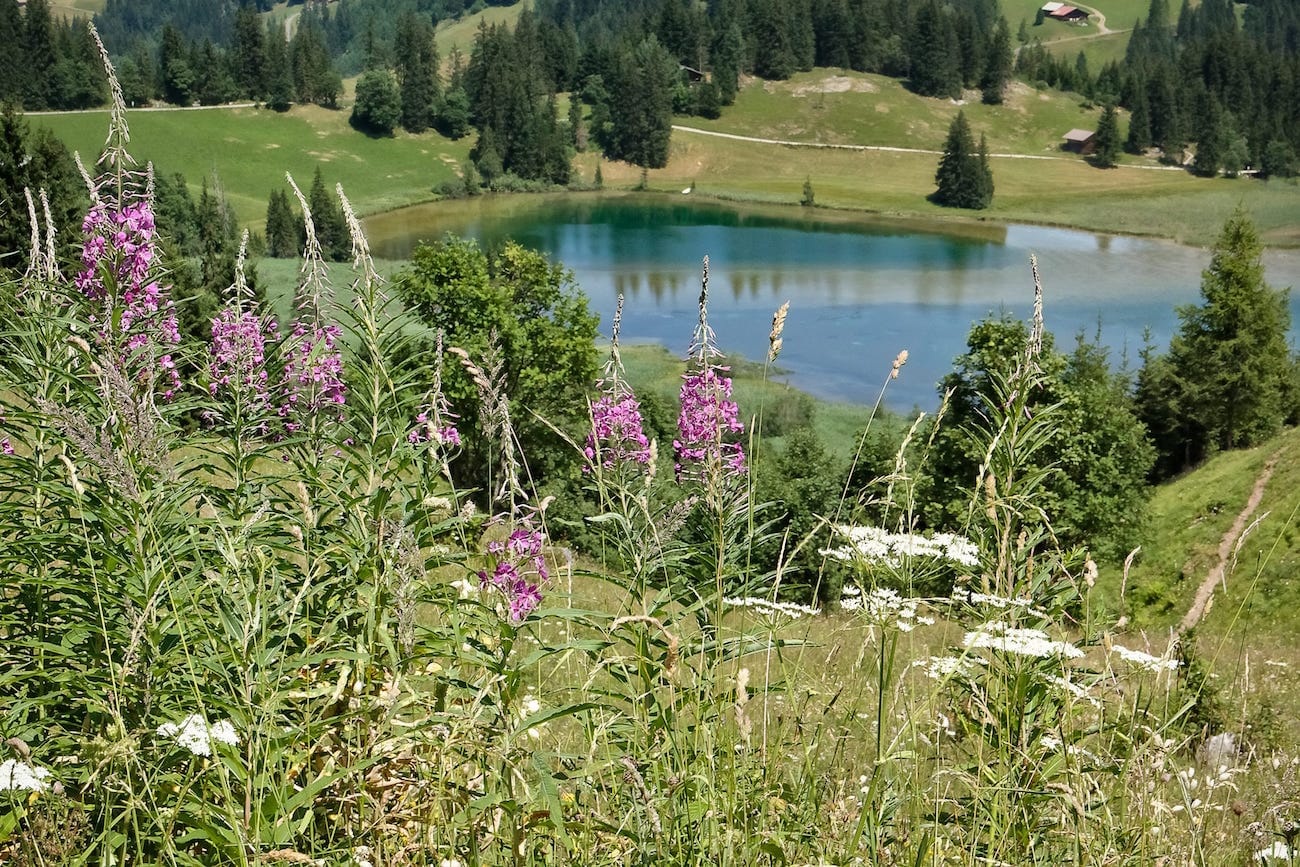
<point>327,216</point>
<point>39,56</point>
<point>1211,140</point>
<point>1106,153</point>
<point>13,69</point>
<point>1139,124</point>
<point>997,71</point>
<point>933,53</point>
<point>248,53</point>
<point>964,179</point>
<point>1224,382</point>
<point>417,71</point>
<point>282,227</point>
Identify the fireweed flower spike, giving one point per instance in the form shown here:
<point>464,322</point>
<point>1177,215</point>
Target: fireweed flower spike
<point>238,354</point>
<point>617,436</point>
<point>435,422</point>
<point>312,386</point>
<point>517,568</point>
<point>708,414</point>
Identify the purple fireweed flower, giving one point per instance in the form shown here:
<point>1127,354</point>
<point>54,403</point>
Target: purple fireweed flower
<point>238,363</point>
<point>617,436</point>
<point>427,430</point>
<point>312,385</point>
<point>136,322</point>
<point>6,447</point>
<point>519,570</point>
<point>708,415</point>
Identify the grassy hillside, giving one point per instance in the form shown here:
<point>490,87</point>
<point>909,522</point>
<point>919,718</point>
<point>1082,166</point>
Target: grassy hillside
<point>460,33</point>
<point>850,108</point>
<point>251,149</point>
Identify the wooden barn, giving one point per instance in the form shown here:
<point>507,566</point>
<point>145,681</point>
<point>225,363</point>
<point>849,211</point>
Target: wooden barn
<point>1081,141</point>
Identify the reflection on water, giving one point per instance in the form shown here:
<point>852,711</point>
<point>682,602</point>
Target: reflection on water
<point>860,289</point>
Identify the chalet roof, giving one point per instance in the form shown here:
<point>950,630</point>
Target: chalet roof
<point>1078,135</point>
<point>1064,11</point>
<point>1052,6</point>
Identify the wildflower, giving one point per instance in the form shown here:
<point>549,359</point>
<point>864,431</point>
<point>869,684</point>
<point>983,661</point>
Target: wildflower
<point>238,364</point>
<point>1279,852</point>
<point>6,447</point>
<point>520,569</point>
<point>20,776</point>
<point>617,436</point>
<point>946,667</point>
<point>312,385</point>
<point>434,423</point>
<point>875,545</point>
<point>1145,660</point>
<point>196,735</point>
<point>136,320</point>
<point>884,607</point>
<point>997,635</point>
<point>771,607</point>
<point>708,414</point>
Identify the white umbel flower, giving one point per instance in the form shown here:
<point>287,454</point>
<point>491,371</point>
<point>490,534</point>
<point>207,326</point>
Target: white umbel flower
<point>20,776</point>
<point>1025,642</point>
<point>1145,660</point>
<point>196,735</point>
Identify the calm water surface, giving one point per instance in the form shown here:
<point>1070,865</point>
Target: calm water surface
<point>859,289</point>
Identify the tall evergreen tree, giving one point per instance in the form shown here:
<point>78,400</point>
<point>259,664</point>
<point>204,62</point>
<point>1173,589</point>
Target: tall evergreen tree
<point>248,53</point>
<point>934,56</point>
<point>176,76</point>
<point>13,67</point>
<point>964,179</point>
<point>1106,152</point>
<point>283,228</point>
<point>279,70</point>
<point>327,217</point>
<point>728,56</point>
<point>997,71</point>
<point>38,55</point>
<point>1139,124</point>
<point>1224,382</point>
<point>641,104</point>
<point>417,71</point>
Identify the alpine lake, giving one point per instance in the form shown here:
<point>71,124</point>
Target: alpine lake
<point>860,288</point>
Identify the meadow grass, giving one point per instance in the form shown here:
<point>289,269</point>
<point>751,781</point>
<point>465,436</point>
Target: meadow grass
<point>250,150</point>
<point>1119,14</point>
<point>1062,192</point>
<point>1100,50</point>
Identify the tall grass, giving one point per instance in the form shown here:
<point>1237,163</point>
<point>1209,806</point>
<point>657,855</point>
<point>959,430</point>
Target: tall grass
<point>284,636</point>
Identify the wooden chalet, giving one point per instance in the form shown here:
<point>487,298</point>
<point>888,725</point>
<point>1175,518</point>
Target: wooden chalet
<point>1081,141</point>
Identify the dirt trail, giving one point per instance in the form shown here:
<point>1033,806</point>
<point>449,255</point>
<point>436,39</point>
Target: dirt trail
<point>1227,549</point>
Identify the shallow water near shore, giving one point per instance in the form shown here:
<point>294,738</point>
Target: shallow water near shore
<point>860,288</point>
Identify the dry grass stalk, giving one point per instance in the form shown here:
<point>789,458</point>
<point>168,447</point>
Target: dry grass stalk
<point>774,341</point>
<point>312,280</point>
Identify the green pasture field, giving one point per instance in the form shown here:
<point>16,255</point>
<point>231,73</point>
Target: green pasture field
<point>77,8</point>
<point>251,149</point>
<point>1118,14</point>
<point>1100,51</point>
<point>834,107</point>
<point>460,33</point>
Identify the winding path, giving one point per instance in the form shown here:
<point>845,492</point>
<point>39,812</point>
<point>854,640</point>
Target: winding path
<point>887,149</point>
<point>1228,546</point>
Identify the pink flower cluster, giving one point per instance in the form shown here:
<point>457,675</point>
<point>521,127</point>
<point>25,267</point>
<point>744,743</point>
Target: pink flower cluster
<point>238,364</point>
<point>313,376</point>
<point>138,321</point>
<point>617,436</point>
<point>439,433</point>
<point>520,569</point>
<point>707,416</point>
<point>6,447</point>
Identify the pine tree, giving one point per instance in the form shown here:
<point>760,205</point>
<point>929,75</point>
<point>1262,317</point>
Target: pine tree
<point>248,53</point>
<point>727,59</point>
<point>282,227</point>
<point>577,128</point>
<point>1225,379</point>
<point>327,216</point>
<point>38,55</point>
<point>809,197</point>
<point>279,71</point>
<point>1211,140</point>
<point>417,71</point>
<point>998,69</point>
<point>934,56</point>
<point>13,68</point>
<point>1139,124</point>
<point>174,70</point>
<point>640,105</point>
<point>1106,152</point>
<point>964,179</point>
